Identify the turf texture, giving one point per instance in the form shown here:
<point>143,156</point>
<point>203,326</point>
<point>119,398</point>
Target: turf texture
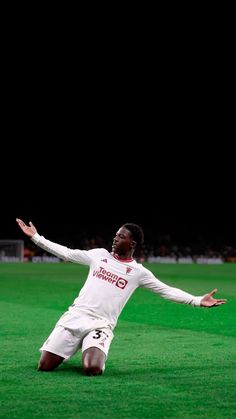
<point>166,360</point>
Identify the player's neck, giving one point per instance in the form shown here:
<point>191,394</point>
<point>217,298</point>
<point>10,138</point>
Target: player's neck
<point>125,258</point>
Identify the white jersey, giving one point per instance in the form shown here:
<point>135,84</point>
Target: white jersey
<point>111,281</point>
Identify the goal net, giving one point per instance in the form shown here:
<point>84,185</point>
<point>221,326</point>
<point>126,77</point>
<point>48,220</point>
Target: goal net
<point>11,250</point>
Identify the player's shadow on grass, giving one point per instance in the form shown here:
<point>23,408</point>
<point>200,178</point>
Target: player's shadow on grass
<point>63,369</point>
<point>67,368</point>
<point>116,371</point>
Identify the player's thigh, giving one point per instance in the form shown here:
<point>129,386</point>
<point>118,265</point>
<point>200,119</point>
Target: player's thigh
<point>61,342</point>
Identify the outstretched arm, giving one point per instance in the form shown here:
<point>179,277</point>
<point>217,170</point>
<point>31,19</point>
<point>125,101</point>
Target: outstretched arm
<point>63,252</point>
<point>175,294</point>
<point>28,230</point>
<point>209,301</point>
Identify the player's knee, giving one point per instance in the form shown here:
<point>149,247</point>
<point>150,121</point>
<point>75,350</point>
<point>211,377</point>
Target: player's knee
<point>45,366</point>
<point>93,361</point>
<point>93,370</point>
<point>49,361</point>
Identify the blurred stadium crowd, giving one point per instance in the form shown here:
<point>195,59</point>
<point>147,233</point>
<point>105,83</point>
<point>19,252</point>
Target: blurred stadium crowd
<point>162,248</point>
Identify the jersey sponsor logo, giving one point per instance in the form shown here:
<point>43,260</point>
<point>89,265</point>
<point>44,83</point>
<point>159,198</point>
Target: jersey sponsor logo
<point>121,283</point>
<point>110,277</point>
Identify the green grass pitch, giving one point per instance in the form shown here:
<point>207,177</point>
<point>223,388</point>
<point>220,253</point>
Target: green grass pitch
<point>166,359</point>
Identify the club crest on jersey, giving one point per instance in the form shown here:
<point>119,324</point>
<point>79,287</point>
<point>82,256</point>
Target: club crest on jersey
<point>128,270</point>
<point>104,260</point>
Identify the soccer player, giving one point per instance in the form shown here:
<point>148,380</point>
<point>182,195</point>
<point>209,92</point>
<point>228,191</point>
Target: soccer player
<point>113,277</point>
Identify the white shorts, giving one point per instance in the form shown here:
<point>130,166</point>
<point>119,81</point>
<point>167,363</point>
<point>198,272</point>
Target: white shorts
<point>78,331</point>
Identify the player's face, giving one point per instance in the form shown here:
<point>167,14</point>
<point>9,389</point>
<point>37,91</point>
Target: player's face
<point>122,242</point>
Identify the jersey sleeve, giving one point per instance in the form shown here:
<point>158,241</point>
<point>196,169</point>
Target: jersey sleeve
<point>83,257</point>
<point>149,281</point>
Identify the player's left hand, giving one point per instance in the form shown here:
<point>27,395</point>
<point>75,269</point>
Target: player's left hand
<point>209,301</point>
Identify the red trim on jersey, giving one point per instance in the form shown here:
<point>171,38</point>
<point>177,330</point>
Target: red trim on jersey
<point>121,260</point>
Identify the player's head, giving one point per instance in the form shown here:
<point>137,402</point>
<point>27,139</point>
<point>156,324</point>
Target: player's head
<point>136,232</point>
<point>127,238</point>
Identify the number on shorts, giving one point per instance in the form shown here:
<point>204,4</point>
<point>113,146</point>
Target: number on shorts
<point>98,334</point>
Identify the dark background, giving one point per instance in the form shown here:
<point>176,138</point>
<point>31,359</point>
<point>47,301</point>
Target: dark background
<point>95,137</point>
<point>75,190</point>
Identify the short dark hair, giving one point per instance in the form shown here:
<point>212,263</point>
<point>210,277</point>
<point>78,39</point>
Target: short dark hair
<point>136,232</point>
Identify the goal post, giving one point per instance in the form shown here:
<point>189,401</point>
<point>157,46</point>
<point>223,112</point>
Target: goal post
<point>11,251</point>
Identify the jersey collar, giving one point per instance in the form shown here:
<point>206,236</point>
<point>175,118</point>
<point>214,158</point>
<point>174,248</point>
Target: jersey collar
<point>121,260</point>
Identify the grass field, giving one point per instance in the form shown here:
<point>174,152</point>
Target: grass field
<point>166,360</point>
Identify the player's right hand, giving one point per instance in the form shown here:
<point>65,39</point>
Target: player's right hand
<point>28,230</point>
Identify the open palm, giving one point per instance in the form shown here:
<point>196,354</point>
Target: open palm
<point>28,230</point>
<point>209,301</point>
